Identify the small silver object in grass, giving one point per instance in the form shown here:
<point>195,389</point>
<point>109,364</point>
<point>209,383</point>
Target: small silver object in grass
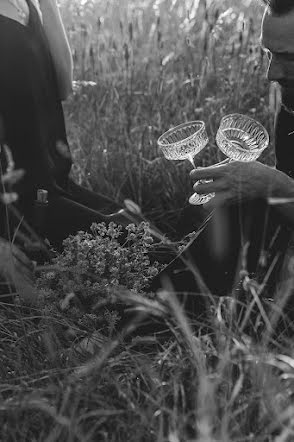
<point>42,196</point>
<point>241,138</point>
<point>184,141</point>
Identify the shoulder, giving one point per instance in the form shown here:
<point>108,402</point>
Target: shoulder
<point>17,11</point>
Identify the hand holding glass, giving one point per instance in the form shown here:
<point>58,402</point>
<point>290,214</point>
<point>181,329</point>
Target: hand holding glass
<point>240,138</point>
<point>183,142</point>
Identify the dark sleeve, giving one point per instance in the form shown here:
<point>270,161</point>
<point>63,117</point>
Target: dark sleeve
<point>19,109</point>
<point>284,142</point>
<point>6,80</point>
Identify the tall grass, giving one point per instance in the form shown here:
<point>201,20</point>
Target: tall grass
<point>157,64</point>
<point>61,382</point>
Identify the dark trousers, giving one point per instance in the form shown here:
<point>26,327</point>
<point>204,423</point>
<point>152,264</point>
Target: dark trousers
<point>284,142</point>
<point>248,236</point>
<point>215,253</point>
<point>212,261</point>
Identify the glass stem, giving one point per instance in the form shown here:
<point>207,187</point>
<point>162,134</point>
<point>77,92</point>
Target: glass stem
<point>191,159</point>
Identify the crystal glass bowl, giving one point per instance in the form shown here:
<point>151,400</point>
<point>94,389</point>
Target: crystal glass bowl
<point>184,141</point>
<point>241,138</point>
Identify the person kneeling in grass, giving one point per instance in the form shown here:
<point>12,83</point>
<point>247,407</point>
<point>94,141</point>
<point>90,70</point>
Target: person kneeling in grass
<point>248,235</point>
<point>242,214</point>
<point>35,77</point>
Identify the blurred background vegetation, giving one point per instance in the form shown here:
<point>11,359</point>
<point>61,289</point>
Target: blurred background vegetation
<point>143,66</point>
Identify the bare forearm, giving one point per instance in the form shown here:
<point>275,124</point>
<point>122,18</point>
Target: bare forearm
<point>59,46</point>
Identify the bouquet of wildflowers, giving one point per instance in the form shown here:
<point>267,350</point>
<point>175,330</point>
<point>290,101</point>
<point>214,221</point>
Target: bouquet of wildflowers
<point>95,264</point>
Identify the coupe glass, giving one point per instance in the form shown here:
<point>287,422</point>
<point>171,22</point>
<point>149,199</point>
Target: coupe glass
<point>183,142</point>
<point>241,138</point>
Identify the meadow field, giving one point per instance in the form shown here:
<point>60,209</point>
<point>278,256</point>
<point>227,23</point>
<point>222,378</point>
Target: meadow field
<point>67,373</point>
